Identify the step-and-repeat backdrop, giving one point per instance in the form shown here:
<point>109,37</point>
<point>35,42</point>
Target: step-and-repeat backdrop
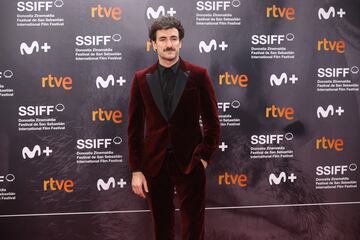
<point>286,75</point>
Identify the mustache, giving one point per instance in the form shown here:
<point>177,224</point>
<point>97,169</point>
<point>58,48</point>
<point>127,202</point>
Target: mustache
<point>169,49</point>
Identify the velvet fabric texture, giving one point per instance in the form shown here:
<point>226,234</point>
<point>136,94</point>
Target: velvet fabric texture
<point>151,131</point>
<point>190,192</point>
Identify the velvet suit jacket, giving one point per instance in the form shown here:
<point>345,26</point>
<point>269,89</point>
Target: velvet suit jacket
<point>150,131</point>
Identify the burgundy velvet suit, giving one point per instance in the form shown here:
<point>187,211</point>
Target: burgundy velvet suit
<point>150,132</point>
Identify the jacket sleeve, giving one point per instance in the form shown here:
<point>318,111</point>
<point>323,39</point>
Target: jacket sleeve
<point>135,131</point>
<point>209,117</point>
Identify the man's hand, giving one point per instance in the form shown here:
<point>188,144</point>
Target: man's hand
<point>204,163</point>
<point>138,182</point>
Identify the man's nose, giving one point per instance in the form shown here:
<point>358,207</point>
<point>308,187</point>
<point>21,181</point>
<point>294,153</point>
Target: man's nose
<point>168,43</point>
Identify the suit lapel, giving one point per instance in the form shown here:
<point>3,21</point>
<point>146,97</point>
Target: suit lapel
<point>155,88</point>
<point>179,88</point>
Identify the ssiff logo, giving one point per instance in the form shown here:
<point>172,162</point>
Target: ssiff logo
<point>96,40</point>
<point>335,170</point>
<point>212,46</point>
<point>56,82</point>
<point>329,111</point>
<point>280,12</point>
<point>271,39</point>
<point>226,105</point>
<point>337,72</point>
<point>35,46</point>
<point>37,6</point>
<point>233,79</point>
<point>110,81</point>
<point>97,143</point>
<point>40,110</point>
<point>110,183</point>
<point>115,13</point>
<point>6,74</point>
<point>216,5</point>
<point>36,151</point>
<point>160,11</point>
<point>271,138</point>
<point>8,178</point>
<point>331,12</point>
<point>282,79</point>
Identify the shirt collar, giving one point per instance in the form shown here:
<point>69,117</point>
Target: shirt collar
<point>174,67</point>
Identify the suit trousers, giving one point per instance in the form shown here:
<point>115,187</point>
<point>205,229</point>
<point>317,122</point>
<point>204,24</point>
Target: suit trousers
<point>190,191</point>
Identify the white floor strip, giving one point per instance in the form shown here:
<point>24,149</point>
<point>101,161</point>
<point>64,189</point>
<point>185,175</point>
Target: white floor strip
<point>208,208</point>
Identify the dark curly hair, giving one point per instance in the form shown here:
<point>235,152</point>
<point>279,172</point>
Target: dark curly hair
<point>166,22</point>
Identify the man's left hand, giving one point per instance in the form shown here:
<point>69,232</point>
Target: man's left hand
<point>204,163</point>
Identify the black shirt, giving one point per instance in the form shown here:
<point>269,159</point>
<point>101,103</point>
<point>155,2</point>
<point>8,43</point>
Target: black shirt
<point>167,77</point>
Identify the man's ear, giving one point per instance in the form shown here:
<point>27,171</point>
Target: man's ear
<point>154,45</point>
<point>180,43</point>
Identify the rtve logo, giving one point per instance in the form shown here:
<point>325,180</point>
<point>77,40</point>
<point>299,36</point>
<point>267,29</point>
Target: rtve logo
<point>151,13</point>
<point>280,112</point>
<point>337,72</point>
<point>110,81</point>
<point>279,12</point>
<point>107,115</point>
<point>58,82</point>
<point>226,105</point>
<point>271,39</point>
<point>330,111</point>
<point>271,139</point>
<point>35,46</point>
<point>6,74</point>
<point>37,6</point>
<point>212,46</point>
<point>40,110</point>
<point>97,143</point>
<point>115,13</point>
<point>282,177</point>
<point>231,79</point>
<point>7,178</point>
<point>330,13</point>
<point>111,183</point>
<point>96,40</point>
<point>335,170</point>
<point>283,79</point>
<point>329,45</point>
<point>58,185</point>
<point>36,151</point>
<point>230,179</point>
<point>330,144</point>
<point>216,5</point>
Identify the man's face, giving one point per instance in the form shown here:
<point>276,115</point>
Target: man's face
<point>167,44</point>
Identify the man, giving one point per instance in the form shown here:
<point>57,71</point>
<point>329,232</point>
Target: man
<point>166,146</point>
